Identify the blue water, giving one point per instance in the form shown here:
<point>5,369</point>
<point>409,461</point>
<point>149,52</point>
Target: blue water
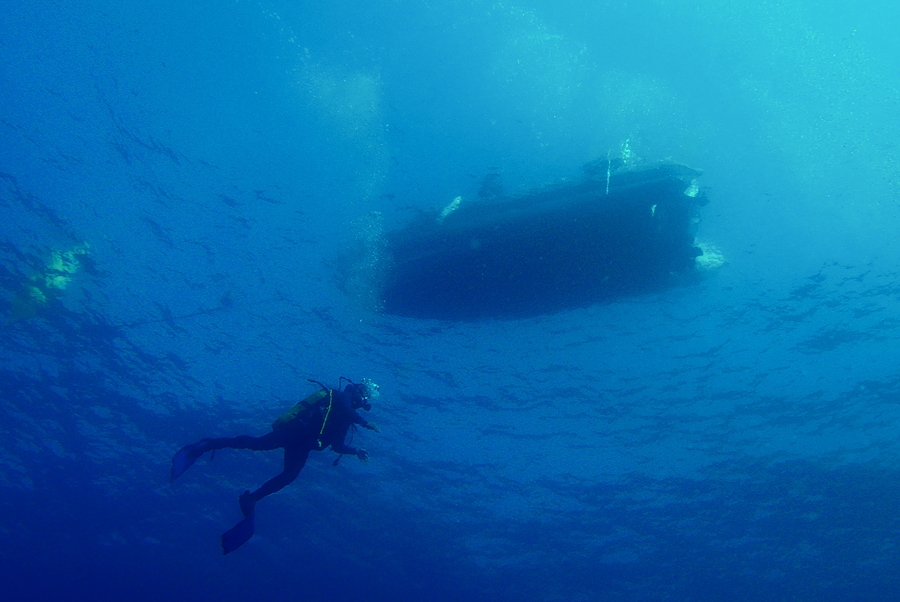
<point>181,183</point>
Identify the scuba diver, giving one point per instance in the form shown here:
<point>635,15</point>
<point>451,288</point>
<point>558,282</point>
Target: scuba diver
<point>319,421</point>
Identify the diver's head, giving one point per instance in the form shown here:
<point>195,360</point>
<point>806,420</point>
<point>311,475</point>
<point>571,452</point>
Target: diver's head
<point>362,393</point>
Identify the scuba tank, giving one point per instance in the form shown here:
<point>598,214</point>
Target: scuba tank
<point>302,411</point>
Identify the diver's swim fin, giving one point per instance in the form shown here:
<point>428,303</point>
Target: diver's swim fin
<point>238,535</point>
<point>186,456</point>
<point>241,533</point>
<point>248,504</point>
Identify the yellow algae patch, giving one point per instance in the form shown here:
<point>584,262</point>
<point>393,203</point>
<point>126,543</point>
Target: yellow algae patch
<point>63,265</point>
<point>49,283</point>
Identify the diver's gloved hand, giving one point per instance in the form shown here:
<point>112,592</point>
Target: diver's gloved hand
<point>371,426</point>
<point>363,455</point>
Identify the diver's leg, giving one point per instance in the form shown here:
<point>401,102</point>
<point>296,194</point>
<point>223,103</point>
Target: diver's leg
<point>269,441</point>
<point>188,454</point>
<point>294,461</point>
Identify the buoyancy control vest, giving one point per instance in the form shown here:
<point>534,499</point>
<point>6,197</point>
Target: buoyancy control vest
<point>304,409</point>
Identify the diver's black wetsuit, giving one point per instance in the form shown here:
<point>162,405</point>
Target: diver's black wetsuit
<point>299,437</point>
<point>319,421</point>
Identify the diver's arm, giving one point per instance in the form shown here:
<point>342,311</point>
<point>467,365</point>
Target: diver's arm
<point>340,448</point>
<point>357,419</point>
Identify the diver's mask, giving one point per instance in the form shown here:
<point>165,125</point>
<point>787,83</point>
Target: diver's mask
<point>363,392</point>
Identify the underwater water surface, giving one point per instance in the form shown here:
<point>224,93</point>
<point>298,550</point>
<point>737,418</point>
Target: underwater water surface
<point>192,199</point>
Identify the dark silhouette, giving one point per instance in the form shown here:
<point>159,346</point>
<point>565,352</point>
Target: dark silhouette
<point>319,421</point>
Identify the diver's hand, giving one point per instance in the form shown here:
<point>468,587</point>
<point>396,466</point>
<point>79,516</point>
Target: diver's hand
<point>363,455</point>
<point>371,426</point>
